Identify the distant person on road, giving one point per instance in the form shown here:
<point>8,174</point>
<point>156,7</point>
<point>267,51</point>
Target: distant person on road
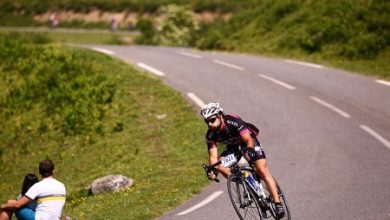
<point>49,194</point>
<point>131,26</point>
<point>235,133</point>
<point>23,213</point>
<point>53,19</point>
<point>113,24</point>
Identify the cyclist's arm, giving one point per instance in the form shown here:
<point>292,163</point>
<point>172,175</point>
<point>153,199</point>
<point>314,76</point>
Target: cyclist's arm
<point>213,155</point>
<point>246,136</point>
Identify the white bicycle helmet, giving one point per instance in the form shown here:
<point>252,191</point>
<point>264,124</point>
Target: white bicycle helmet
<point>213,108</point>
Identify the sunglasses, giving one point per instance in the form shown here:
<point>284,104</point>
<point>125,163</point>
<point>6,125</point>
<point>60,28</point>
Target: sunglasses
<point>210,120</point>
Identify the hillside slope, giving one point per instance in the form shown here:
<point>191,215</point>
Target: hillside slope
<point>94,116</point>
<point>348,33</point>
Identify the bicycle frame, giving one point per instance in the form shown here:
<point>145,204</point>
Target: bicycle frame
<point>236,169</point>
<point>264,202</point>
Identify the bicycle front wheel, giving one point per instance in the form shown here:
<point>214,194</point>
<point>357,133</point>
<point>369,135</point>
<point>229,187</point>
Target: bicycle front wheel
<point>245,205</point>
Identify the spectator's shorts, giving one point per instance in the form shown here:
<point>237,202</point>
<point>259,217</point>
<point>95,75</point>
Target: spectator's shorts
<point>25,213</point>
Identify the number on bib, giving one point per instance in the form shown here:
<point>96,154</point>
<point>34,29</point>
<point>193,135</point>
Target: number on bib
<point>229,160</point>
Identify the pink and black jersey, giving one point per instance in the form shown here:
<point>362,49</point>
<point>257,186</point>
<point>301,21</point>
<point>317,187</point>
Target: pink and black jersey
<point>230,133</point>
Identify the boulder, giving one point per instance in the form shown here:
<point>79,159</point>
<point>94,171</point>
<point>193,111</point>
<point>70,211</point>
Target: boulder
<point>110,183</point>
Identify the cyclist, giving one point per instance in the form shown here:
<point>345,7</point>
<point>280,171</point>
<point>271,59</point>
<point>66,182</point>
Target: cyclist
<point>235,133</point>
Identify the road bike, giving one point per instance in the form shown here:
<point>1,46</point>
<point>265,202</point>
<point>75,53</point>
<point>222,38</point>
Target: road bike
<point>250,201</point>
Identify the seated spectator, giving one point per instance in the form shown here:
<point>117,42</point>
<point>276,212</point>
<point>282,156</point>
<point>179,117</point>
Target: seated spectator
<point>23,212</point>
<point>49,194</point>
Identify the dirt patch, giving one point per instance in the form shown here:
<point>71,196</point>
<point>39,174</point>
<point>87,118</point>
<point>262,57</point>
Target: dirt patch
<point>93,16</point>
<point>210,17</point>
<point>123,18</point>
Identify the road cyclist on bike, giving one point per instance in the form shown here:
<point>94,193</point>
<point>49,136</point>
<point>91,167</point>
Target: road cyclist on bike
<point>236,134</point>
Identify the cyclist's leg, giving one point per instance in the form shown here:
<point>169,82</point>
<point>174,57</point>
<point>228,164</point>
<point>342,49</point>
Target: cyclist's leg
<point>262,169</point>
<point>260,164</point>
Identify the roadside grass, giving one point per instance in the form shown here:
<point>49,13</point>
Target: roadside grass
<point>75,36</point>
<point>377,68</point>
<point>92,38</point>
<point>145,131</point>
<point>343,34</point>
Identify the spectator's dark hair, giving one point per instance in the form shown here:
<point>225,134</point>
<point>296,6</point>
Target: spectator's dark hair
<point>46,168</point>
<point>29,180</point>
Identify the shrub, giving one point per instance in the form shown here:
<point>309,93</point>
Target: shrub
<point>364,46</point>
<point>71,96</point>
<point>178,28</point>
<point>147,36</point>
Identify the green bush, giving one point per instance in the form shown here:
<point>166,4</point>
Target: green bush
<point>178,28</point>
<point>212,40</point>
<point>33,37</point>
<point>357,29</point>
<point>365,46</point>
<point>147,36</point>
<point>72,96</point>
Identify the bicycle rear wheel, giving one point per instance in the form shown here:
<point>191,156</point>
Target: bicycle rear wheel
<point>283,200</point>
<point>246,206</point>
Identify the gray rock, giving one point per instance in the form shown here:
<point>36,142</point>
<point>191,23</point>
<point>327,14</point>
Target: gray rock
<point>111,183</point>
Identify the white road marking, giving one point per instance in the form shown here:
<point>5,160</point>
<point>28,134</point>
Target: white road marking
<point>339,111</point>
<point>229,65</point>
<point>151,69</point>
<point>305,64</point>
<point>203,203</point>
<point>190,55</point>
<point>197,100</point>
<point>387,83</point>
<point>277,82</point>
<point>108,52</point>
<point>376,135</point>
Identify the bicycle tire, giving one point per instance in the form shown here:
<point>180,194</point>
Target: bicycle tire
<point>283,200</point>
<point>281,194</point>
<point>246,209</point>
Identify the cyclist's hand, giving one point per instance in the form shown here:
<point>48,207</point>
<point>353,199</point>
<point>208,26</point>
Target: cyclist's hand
<point>248,153</point>
<point>212,174</point>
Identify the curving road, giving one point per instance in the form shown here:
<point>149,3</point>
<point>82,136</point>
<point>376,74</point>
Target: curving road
<point>326,132</point>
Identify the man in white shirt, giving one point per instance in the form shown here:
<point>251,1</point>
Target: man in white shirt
<point>49,193</point>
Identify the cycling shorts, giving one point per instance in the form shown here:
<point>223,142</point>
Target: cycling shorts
<point>257,150</point>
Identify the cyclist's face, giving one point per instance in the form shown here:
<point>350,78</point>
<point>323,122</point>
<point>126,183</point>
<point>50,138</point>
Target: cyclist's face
<point>213,122</point>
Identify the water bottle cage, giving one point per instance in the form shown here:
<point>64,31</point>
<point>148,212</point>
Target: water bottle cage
<point>252,183</point>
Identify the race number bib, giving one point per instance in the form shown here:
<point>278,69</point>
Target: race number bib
<point>229,160</point>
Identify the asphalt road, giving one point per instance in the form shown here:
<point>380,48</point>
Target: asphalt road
<point>326,132</point>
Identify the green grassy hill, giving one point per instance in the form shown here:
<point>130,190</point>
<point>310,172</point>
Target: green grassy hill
<point>93,116</point>
<point>351,34</point>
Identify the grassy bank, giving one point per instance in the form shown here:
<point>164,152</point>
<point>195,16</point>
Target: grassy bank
<point>79,36</point>
<point>348,34</point>
<point>93,116</point>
